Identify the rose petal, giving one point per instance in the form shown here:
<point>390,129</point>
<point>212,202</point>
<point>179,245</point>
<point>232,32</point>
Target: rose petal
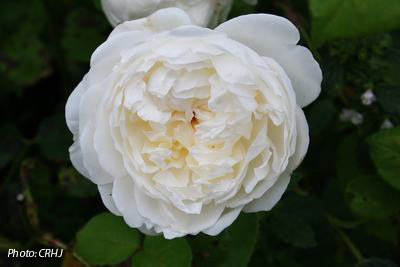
<point>302,140</point>
<point>161,20</point>
<point>123,194</point>
<point>106,197</point>
<point>271,197</point>
<point>276,37</point>
<point>224,221</point>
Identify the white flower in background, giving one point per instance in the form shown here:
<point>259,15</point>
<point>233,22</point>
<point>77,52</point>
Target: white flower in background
<point>368,97</point>
<point>183,127</point>
<point>202,12</point>
<point>387,124</point>
<point>352,116</point>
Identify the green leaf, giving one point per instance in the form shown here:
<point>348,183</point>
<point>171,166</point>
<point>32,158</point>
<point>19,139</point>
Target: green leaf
<point>54,138</point>
<point>233,247</point>
<point>376,263</point>
<point>239,246</point>
<point>386,230</point>
<point>24,55</point>
<point>370,197</point>
<point>292,229</point>
<point>350,18</point>
<point>10,143</point>
<point>83,34</point>
<point>106,239</point>
<point>385,153</point>
<point>159,252</point>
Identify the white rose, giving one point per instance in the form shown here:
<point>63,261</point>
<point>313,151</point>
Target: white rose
<point>202,12</point>
<point>183,127</point>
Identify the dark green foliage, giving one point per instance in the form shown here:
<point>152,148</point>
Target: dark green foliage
<point>233,247</point>
<point>106,239</point>
<point>342,207</point>
<point>385,152</point>
<point>159,252</point>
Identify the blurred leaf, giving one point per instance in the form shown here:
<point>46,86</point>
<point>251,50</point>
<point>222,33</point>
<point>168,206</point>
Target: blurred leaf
<point>106,239</point>
<point>349,18</point>
<point>233,247</point>
<point>6,244</point>
<point>159,252</point>
<point>384,230</point>
<point>241,7</point>
<point>292,230</point>
<point>385,153</point>
<point>97,4</point>
<point>238,246</point>
<point>10,143</point>
<point>295,179</point>
<point>75,184</point>
<point>40,183</point>
<point>54,138</point>
<point>370,197</point>
<point>320,116</point>
<point>23,56</point>
<point>389,99</point>
<point>347,165</point>
<point>83,34</point>
<point>376,263</point>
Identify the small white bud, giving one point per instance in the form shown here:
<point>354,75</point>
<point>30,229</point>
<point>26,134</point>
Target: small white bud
<point>351,115</point>
<point>368,98</point>
<point>357,119</point>
<point>387,124</point>
<point>20,197</point>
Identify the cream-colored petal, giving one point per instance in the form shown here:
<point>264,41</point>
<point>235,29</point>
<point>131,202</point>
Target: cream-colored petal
<point>271,197</point>
<point>123,194</point>
<point>223,222</point>
<point>106,196</point>
<point>162,20</point>
<point>276,37</point>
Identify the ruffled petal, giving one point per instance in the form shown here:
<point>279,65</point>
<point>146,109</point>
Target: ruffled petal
<point>106,197</point>
<point>162,20</point>
<point>224,221</point>
<point>123,194</point>
<point>276,37</point>
<point>75,155</point>
<point>271,197</point>
<point>72,107</point>
<point>302,140</point>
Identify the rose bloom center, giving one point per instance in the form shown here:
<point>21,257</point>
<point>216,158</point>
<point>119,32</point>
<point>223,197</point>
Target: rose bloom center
<point>197,119</point>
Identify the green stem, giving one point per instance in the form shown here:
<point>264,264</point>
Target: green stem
<point>351,246</point>
<point>15,165</point>
<point>354,250</point>
<point>31,210</point>
<point>49,240</point>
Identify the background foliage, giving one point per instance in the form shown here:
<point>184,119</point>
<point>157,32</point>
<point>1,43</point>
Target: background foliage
<point>342,205</point>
